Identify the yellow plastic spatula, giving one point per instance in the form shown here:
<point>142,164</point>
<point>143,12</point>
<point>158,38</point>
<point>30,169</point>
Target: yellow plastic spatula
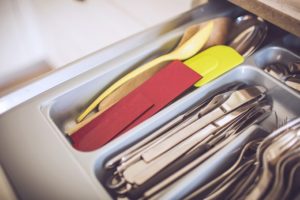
<point>214,62</point>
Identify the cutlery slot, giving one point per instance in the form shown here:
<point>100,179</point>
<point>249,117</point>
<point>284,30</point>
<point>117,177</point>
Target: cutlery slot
<point>281,57</point>
<point>282,111</point>
<point>66,107</point>
<point>214,166</point>
<point>270,55</point>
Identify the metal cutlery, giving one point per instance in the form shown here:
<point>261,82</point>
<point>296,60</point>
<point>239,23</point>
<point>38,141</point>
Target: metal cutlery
<point>164,184</point>
<point>269,172</point>
<point>248,33</point>
<point>229,99</point>
<point>289,74</point>
<point>185,142</point>
<point>173,126</point>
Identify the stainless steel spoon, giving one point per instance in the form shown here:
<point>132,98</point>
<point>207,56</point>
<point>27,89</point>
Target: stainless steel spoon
<point>248,33</point>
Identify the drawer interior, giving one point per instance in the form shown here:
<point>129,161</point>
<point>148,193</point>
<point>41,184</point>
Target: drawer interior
<point>61,105</point>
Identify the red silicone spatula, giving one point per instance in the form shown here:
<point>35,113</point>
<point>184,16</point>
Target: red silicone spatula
<point>136,107</point>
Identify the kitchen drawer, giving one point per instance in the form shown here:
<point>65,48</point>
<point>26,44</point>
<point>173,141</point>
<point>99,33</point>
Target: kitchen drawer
<point>40,160</point>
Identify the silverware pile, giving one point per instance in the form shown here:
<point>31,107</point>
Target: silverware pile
<point>265,169</point>
<point>289,74</point>
<point>151,165</point>
<point>247,34</point>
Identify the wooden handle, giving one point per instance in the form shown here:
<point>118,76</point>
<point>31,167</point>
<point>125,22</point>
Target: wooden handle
<point>121,81</point>
<point>127,87</point>
<point>218,36</point>
<point>187,50</point>
<point>116,96</point>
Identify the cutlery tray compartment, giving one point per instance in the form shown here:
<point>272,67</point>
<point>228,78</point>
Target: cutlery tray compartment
<point>66,107</point>
<point>284,58</point>
<point>213,166</point>
<point>273,55</point>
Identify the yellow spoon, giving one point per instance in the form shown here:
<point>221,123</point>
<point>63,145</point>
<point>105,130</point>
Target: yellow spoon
<point>188,49</point>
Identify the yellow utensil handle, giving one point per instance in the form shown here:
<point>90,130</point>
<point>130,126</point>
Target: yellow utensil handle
<point>191,47</point>
<point>120,82</point>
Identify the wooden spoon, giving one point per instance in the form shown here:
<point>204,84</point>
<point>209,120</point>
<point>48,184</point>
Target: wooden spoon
<point>218,35</point>
<point>188,49</point>
<point>127,87</point>
<point>115,96</point>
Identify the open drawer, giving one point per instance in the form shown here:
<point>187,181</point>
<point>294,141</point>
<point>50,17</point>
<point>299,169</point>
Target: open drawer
<point>40,160</point>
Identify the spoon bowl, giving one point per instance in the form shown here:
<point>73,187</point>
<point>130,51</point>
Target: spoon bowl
<point>248,33</point>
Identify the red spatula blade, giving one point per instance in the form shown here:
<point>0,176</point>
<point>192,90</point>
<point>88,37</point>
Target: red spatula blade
<point>110,123</point>
<point>165,86</point>
<point>137,106</point>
